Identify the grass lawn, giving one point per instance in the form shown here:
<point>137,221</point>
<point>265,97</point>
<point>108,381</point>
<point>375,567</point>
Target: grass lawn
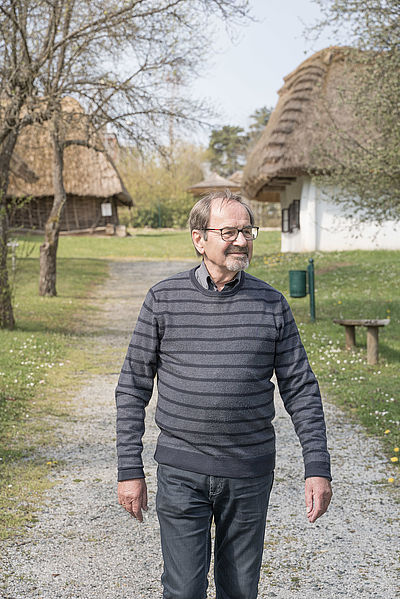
<point>148,244</point>
<point>37,362</point>
<point>359,284</point>
<point>38,359</point>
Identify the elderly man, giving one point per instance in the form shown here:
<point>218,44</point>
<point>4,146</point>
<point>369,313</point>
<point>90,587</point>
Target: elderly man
<point>214,336</point>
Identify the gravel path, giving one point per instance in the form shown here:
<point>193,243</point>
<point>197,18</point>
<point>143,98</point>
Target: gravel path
<point>85,546</point>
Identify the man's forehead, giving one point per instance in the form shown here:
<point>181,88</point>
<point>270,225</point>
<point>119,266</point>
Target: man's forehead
<point>223,208</point>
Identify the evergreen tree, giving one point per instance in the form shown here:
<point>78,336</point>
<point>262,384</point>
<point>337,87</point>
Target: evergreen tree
<point>227,149</point>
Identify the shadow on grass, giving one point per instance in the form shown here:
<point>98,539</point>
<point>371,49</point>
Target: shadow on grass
<point>388,352</point>
<point>12,455</point>
<point>61,260</point>
<point>149,235</point>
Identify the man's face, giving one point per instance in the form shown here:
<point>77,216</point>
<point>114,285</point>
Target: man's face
<point>226,256</point>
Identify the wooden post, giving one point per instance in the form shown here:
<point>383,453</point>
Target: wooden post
<point>350,334</point>
<point>372,333</point>
<point>372,345</point>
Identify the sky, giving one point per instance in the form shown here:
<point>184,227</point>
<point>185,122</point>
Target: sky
<point>247,75</point>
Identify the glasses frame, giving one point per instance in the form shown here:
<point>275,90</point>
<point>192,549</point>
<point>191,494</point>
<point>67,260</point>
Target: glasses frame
<point>238,231</point>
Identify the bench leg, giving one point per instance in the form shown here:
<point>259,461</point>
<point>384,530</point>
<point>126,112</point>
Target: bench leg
<point>350,333</point>
<point>372,345</point>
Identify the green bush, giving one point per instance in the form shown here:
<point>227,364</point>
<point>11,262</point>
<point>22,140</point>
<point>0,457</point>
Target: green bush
<point>163,214</point>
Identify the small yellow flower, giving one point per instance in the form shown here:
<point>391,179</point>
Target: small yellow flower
<point>49,463</point>
<point>388,311</point>
<point>394,459</point>
<point>391,480</point>
<point>387,431</point>
<point>396,449</point>
<point>339,302</point>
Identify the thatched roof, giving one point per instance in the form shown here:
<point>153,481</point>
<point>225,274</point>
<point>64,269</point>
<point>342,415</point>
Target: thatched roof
<point>299,123</point>
<point>267,196</point>
<point>213,183</point>
<point>87,172</point>
<point>237,177</point>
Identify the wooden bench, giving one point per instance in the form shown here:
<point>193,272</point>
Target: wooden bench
<point>372,334</point>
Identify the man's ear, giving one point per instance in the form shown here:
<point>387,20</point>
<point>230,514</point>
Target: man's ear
<point>198,240</point>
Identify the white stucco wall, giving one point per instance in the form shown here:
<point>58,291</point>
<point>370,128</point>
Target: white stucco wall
<point>327,227</point>
<point>305,238</point>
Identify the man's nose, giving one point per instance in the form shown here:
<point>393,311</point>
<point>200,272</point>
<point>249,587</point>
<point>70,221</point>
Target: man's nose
<point>241,240</point>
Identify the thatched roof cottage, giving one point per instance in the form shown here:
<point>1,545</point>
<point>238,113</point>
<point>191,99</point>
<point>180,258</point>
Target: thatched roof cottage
<point>265,215</point>
<point>285,156</point>
<point>92,183</point>
<point>214,182</point>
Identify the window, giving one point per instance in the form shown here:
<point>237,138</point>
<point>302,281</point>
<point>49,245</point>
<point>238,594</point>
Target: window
<point>285,220</point>
<point>294,215</point>
<point>291,217</point>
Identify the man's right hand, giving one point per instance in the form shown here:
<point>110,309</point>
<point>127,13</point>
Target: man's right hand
<point>132,495</point>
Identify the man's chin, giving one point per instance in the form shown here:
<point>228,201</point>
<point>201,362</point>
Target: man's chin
<point>235,263</point>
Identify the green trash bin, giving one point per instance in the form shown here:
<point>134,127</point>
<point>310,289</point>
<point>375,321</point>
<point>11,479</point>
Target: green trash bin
<point>298,283</point>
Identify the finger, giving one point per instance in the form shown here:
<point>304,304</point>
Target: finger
<point>323,508</point>
<point>320,507</point>
<point>312,516</point>
<point>126,505</point>
<point>317,508</point>
<point>311,510</point>
<point>309,500</point>
<point>135,507</point>
<point>124,502</point>
<point>136,511</point>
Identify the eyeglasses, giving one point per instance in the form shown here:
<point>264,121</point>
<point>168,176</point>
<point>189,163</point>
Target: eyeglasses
<point>232,233</point>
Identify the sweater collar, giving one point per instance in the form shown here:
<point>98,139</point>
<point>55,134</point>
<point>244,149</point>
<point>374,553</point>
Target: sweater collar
<point>205,280</point>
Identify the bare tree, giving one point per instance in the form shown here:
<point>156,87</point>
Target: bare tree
<point>115,57</point>
<point>17,77</point>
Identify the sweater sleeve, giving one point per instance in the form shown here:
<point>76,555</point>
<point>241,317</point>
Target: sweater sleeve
<point>301,396</point>
<point>134,390</point>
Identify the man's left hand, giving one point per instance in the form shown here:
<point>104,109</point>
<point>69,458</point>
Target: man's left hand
<point>318,496</point>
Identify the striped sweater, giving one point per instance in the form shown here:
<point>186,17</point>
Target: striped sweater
<point>214,355</point>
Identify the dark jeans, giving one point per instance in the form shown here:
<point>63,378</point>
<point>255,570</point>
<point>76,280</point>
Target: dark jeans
<point>186,504</point>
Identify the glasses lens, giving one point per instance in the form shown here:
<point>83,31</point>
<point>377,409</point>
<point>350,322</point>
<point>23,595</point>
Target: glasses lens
<point>254,232</point>
<point>229,234</point>
<point>248,233</point>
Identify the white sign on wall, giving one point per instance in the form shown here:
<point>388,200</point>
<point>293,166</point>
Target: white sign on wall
<point>106,209</point>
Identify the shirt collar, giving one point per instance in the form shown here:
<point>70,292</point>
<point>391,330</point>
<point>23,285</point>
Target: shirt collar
<point>205,280</point>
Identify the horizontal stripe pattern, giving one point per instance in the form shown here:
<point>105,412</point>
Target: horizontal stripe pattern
<point>214,354</point>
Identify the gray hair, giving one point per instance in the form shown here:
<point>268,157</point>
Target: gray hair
<point>199,216</point>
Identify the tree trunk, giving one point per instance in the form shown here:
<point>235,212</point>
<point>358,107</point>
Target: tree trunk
<point>6,310</point>
<point>48,250</point>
